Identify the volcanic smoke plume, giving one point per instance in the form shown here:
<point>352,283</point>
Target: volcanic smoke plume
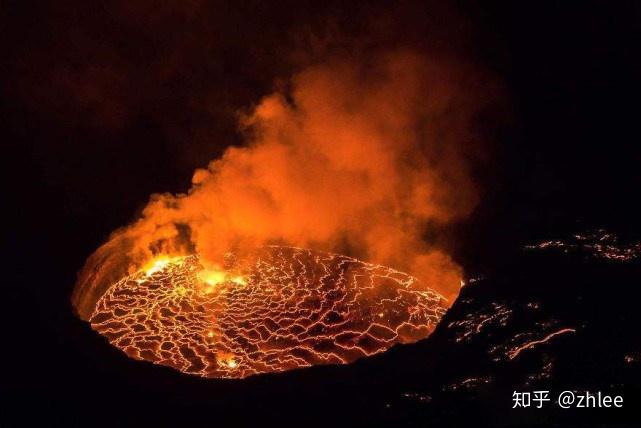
<point>352,155</point>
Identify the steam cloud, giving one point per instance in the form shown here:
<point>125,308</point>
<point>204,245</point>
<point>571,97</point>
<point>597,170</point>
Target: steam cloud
<point>352,155</point>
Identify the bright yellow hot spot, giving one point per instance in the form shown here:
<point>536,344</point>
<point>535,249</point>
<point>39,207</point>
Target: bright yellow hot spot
<point>238,280</point>
<point>158,264</point>
<point>214,277</point>
<point>228,361</point>
<point>181,291</point>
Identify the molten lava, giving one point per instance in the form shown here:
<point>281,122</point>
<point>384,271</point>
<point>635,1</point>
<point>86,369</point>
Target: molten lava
<point>278,309</point>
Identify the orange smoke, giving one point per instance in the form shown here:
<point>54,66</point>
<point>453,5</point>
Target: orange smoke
<point>357,157</point>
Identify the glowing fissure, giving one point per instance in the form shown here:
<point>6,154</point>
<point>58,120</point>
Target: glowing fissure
<point>513,353</point>
<point>279,309</point>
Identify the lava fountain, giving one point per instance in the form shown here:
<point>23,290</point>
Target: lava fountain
<point>282,308</point>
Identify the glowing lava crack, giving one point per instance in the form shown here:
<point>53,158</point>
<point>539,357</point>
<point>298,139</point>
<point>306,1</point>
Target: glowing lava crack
<point>288,308</point>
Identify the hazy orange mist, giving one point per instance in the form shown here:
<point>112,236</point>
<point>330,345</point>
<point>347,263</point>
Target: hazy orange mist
<point>353,156</point>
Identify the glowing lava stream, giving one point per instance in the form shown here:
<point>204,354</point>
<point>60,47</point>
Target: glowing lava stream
<point>286,308</point>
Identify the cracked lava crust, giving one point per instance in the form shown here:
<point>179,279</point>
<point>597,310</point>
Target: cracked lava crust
<point>289,308</point>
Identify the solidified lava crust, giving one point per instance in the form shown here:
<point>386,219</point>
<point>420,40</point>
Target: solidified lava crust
<point>295,309</point>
